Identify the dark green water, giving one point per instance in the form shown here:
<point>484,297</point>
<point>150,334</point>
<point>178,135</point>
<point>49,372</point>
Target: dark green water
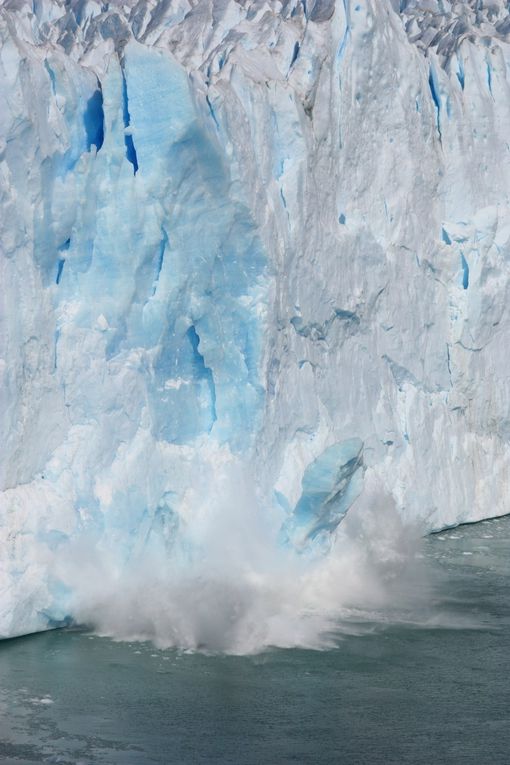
<point>395,694</point>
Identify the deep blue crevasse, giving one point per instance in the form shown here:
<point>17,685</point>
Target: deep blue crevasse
<point>128,138</point>
<point>465,272</point>
<point>94,120</point>
<point>434,91</point>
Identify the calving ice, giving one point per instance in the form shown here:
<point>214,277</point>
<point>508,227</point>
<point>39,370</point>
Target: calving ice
<point>254,278</point>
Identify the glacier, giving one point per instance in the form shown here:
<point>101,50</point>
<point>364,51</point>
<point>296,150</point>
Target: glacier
<point>255,280</point>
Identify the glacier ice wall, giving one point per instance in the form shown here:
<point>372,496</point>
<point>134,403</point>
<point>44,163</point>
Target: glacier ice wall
<point>255,244</point>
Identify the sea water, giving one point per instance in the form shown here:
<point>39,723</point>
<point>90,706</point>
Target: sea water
<point>429,683</point>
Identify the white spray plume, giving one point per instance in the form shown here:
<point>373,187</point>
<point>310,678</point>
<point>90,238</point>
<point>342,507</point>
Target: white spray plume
<point>228,585</point>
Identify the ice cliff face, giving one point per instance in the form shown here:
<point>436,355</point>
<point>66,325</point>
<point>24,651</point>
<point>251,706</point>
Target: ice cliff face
<point>246,243</point>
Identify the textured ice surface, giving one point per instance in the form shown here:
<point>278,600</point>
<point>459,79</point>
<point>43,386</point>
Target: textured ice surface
<point>330,485</point>
<point>260,243</point>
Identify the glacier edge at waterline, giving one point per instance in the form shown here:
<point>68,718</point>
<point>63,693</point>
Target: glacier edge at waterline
<point>254,277</point>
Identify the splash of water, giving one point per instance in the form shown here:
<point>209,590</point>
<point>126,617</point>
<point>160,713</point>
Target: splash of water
<point>228,584</point>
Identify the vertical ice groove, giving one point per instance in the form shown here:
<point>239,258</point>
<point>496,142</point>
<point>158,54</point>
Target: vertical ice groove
<point>128,137</point>
<point>347,30</point>
<point>436,97</point>
<point>460,71</point>
<point>201,371</point>
<point>295,54</point>
<point>60,268</point>
<point>212,112</point>
<point>52,77</point>
<point>465,271</point>
<point>94,120</point>
<point>161,256</point>
<point>489,76</point>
